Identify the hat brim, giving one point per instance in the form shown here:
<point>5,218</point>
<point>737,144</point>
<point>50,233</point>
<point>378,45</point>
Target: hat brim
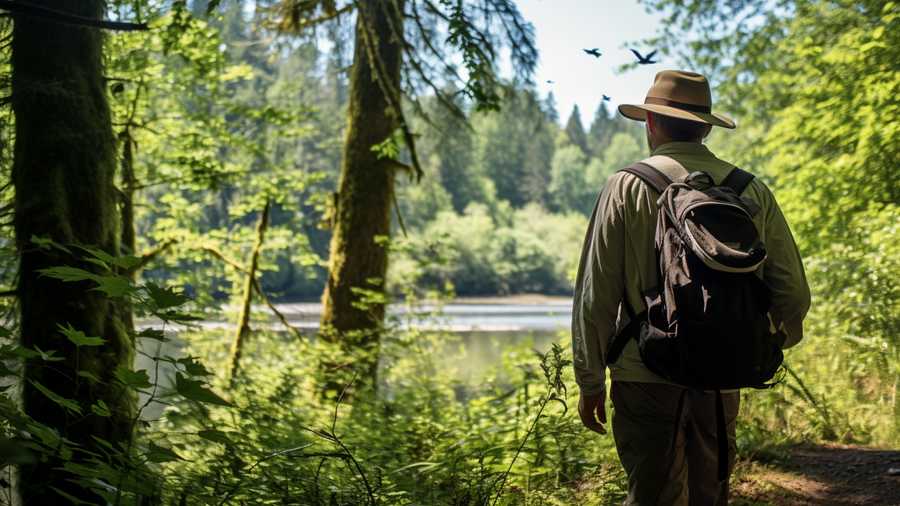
<point>638,112</point>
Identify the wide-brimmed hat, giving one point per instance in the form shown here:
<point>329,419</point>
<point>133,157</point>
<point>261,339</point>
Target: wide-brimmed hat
<point>678,94</point>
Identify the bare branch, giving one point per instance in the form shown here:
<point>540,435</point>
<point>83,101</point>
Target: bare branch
<point>151,255</point>
<point>26,9</point>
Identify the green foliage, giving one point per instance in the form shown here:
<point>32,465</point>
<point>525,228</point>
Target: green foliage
<point>569,189</point>
<point>426,438</point>
<point>117,474</point>
<point>475,253</point>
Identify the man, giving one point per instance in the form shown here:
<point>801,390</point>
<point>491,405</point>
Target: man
<point>665,434</point>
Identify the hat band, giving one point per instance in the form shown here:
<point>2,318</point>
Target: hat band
<point>679,105</point>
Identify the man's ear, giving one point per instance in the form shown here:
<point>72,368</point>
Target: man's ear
<point>651,122</point>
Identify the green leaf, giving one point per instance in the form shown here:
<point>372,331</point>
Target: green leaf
<point>67,404</point>
<point>134,379</point>
<point>165,297</point>
<point>13,351</point>
<point>421,466</point>
<point>71,499</point>
<point>47,243</point>
<point>155,334</point>
<point>100,408</point>
<point>177,316</point>
<point>66,273</point>
<point>104,259</point>
<point>78,337</point>
<point>14,451</point>
<point>104,443</point>
<point>216,436</point>
<point>46,356</point>
<point>193,367</point>
<point>89,375</point>
<point>159,454</point>
<point>113,286</point>
<point>196,391</point>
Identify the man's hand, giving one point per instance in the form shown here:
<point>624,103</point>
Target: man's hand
<point>592,408</point>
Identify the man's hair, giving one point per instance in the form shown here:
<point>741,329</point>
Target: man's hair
<point>680,130</point>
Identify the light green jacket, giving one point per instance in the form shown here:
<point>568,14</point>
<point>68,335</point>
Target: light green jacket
<point>618,260</point>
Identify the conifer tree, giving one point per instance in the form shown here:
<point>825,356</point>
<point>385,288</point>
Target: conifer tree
<point>575,130</point>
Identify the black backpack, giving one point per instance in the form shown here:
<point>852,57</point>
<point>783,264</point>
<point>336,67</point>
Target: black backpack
<point>706,324</point>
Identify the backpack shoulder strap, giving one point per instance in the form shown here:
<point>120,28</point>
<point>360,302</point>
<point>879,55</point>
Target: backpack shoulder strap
<point>658,171</point>
<point>648,174</point>
<point>737,180</point>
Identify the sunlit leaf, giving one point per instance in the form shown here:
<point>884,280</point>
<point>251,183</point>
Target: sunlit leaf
<point>78,338</point>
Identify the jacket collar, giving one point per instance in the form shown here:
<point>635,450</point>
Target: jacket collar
<point>681,148</point>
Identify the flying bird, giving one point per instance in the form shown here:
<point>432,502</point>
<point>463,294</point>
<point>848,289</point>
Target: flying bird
<point>550,82</point>
<point>595,52</point>
<point>605,98</point>
<point>645,60</point>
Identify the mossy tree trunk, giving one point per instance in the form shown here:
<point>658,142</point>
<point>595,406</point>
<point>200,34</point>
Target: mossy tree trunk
<point>358,259</point>
<point>63,172</point>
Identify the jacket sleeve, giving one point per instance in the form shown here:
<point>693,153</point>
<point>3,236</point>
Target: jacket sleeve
<point>784,275</point>
<point>599,286</point>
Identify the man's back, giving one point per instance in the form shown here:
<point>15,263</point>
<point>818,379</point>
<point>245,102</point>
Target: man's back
<point>622,242</point>
<point>662,429</point>
<point>782,270</point>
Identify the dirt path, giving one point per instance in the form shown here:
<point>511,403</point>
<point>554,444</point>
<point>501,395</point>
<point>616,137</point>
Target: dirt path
<point>839,475</point>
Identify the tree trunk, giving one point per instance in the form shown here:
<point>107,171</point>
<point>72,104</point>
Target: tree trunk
<point>358,258</point>
<point>63,172</point>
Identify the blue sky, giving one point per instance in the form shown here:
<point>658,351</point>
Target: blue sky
<point>564,27</point>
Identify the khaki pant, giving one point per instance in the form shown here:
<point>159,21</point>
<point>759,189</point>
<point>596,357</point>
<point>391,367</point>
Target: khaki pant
<point>666,439</point>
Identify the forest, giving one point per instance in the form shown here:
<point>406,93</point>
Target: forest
<point>233,233</point>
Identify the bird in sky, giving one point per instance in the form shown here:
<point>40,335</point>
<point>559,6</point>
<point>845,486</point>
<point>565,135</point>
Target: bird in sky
<point>645,60</point>
<point>606,98</point>
<point>549,81</point>
<point>595,52</point>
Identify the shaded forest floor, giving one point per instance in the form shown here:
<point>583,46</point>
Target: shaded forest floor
<point>831,474</point>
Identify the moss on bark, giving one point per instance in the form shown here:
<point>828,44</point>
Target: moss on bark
<point>366,188</point>
<point>63,172</point>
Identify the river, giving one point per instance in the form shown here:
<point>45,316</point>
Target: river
<point>485,328</point>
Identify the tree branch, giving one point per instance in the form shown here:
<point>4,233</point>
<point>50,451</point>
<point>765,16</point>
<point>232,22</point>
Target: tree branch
<point>52,15</point>
<point>257,286</point>
<point>151,255</point>
<point>244,318</point>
